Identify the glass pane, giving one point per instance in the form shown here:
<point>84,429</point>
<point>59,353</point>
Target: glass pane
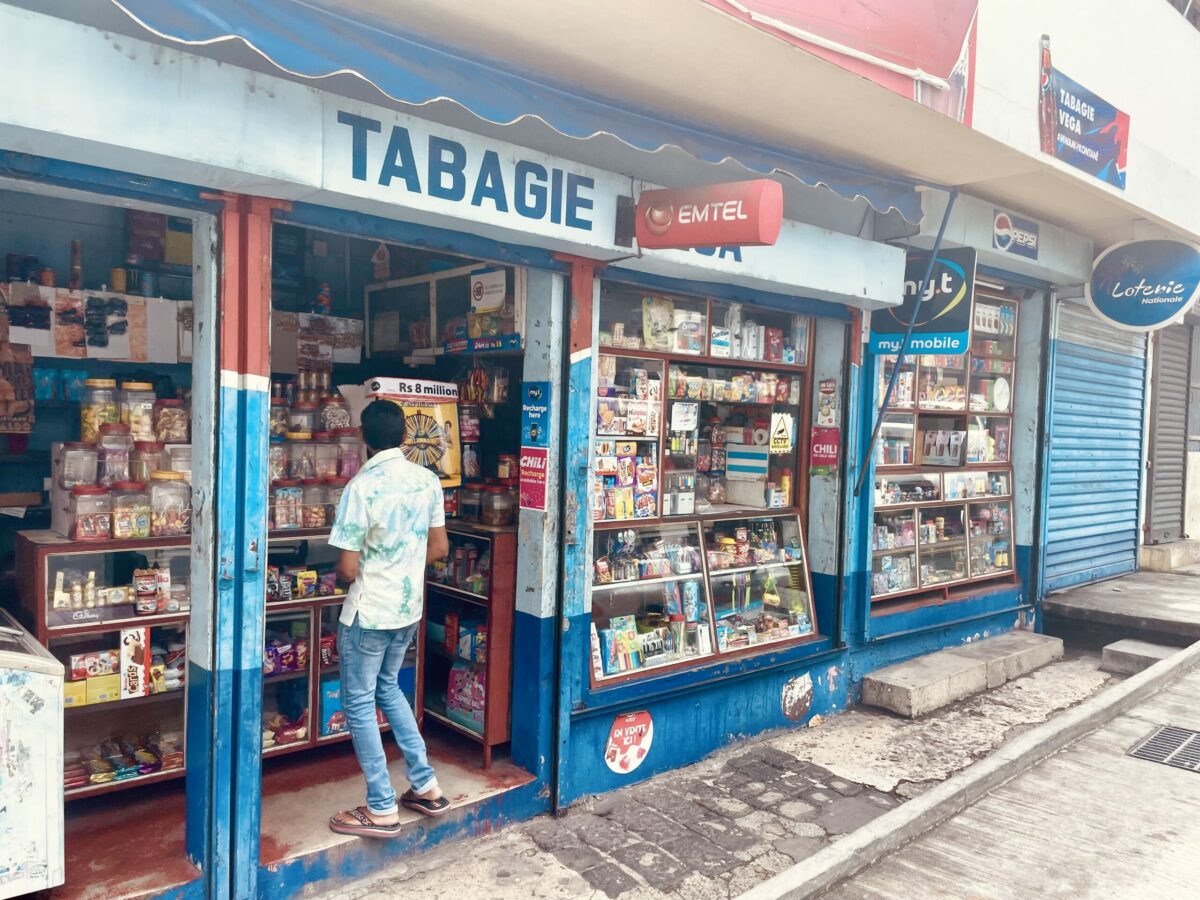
<point>994,328</point>
<point>943,383</point>
<point>943,441</point>
<point>989,439</point>
<point>991,393</point>
<point>905,392</point>
<point>991,538</point>
<point>120,586</point>
<point>628,425</point>
<point>893,572</point>
<point>964,485</point>
<point>895,531</point>
<point>896,441</point>
<point>891,490</point>
<point>943,565</point>
<point>744,332</point>
<point>731,439</point>
<point>635,320</point>
<point>285,679</point>
<point>649,603</point>
<point>942,525</point>
<point>759,581</point>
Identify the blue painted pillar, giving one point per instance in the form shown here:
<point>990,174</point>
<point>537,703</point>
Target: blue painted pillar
<point>539,532</point>
<point>577,523</point>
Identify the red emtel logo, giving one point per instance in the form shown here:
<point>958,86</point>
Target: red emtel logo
<point>660,218</point>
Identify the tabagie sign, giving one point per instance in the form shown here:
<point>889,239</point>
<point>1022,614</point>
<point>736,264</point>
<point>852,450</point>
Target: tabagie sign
<point>736,214</point>
<point>1145,285</point>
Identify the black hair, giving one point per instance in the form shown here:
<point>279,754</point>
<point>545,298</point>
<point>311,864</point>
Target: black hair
<point>383,425</point>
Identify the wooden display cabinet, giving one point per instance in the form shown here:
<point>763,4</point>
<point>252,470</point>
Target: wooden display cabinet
<point>467,632</point>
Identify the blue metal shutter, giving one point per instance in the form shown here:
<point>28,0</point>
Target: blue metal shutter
<point>1094,473</point>
<point>1168,434</point>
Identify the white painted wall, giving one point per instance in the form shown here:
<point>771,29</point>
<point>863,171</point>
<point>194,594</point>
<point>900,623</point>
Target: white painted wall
<point>1139,55</point>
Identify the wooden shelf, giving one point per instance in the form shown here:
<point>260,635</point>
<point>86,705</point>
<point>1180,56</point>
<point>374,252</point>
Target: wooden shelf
<point>125,704</point>
<point>457,592</point>
<point>687,359</point>
<point>645,582</point>
<point>286,676</point>
<point>161,619</point>
<point>93,789</point>
<point>932,546</point>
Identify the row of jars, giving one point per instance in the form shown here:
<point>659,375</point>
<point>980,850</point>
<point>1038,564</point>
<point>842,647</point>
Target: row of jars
<point>489,503</point>
<point>128,510</point>
<point>300,454</point>
<point>307,417</point>
<point>116,456</point>
<point>305,503</point>
<point>134,405</point>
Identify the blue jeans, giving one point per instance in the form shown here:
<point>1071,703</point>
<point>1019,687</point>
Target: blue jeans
<point>370,665</point>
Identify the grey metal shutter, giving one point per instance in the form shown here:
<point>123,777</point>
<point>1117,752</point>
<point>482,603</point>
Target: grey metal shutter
<point>1094,472</point>
<point>1168,435</point>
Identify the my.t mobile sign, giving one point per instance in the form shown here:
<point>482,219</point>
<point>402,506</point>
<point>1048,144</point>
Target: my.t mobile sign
<point>740,213</point>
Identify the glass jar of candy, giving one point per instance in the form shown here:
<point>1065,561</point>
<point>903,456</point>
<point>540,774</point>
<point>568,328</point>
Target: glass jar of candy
<point>349,452</point>
<point>302,455</point>
<point>91,513</point>
<point>333,413</point>
<point>115,452</point>
<point>279,417</point>
<point>277,458</point>
<point>470,502</point>
<point>130,510</point>
<point>170,504</point>
<point>325,454</point>
<point>302,417</point>
<point>137,409</point>
<point>312,509</point>
<point>172,423</point>
<point>334,488</point>
<point>97,406</point>
<point>498,508</point>
<point>148,457</point>
<point>79,462</point>
<point>286,498</point>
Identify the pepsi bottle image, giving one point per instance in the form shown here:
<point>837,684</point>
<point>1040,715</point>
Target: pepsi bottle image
<point>1048,104</point>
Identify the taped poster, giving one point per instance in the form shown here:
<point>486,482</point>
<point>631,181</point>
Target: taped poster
<point>431,436</point>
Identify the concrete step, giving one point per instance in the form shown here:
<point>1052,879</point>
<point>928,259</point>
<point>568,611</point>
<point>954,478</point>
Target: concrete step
<point>921,685</point>
<point>1130,656</point>
<point>1169,557</point>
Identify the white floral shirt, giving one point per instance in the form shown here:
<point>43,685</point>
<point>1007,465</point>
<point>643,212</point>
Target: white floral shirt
<point>386,512</point>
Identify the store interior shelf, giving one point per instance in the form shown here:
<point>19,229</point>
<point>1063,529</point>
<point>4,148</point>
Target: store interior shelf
<point>757,567</point>
<point>929,546</point>
<point>56,631</point>
<point>91,790</point>
<point>457,592</point>
<point>438,712</point>
<point>893,551</point>
<point>297,534</point>
<point>286,676</point>
<point>176,694</point>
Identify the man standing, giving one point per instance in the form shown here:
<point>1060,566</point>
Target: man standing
<point>390,525</point>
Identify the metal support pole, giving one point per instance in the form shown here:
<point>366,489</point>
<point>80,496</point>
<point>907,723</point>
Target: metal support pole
<point>887,394</point>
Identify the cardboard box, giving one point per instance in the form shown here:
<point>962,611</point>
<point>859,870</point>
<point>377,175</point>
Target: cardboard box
<point>333,720</point>
<point>74,693</point>
<point>103,689</point>
<point>135,659</point>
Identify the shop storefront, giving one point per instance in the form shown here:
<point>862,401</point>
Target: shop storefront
<point>372,284</point>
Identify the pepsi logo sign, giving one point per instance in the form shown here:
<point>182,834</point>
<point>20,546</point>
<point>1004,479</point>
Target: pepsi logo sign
<point>1014,234</point>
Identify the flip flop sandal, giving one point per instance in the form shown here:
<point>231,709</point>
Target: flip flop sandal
<point>431,808</point>
<point>364,827</point>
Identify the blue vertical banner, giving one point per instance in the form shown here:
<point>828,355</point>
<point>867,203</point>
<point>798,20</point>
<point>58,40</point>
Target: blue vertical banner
<point>535,414</point>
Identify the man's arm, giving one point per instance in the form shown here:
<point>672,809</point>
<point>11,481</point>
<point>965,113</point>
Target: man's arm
<point>347,566</point>
<point>439,547</point>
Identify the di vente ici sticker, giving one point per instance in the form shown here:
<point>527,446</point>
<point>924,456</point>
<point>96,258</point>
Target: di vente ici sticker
<point>1145,285</point>
<point>943,310</point>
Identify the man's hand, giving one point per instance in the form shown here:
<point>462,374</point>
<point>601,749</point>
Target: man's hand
<point>439,546</point>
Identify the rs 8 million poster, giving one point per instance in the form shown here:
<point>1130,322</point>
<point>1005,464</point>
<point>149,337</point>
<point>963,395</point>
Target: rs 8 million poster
<point>431,436</point>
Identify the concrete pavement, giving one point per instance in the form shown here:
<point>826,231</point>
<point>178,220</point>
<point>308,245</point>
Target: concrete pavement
<point>1088,822</point>
<point>716,829</point>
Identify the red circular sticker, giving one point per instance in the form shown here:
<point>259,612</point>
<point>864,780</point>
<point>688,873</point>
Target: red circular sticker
<point>629,741</point>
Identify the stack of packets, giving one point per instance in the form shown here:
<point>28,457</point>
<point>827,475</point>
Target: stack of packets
<point>300,583</point>
<point>626,484</point>
<point>121,759</point>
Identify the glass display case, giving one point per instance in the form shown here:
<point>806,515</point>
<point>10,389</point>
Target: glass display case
<point>650,602</point>
<point>759,335</point>
<point>759,581</point>
<point>942,464</point>
<point>633,319</point>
